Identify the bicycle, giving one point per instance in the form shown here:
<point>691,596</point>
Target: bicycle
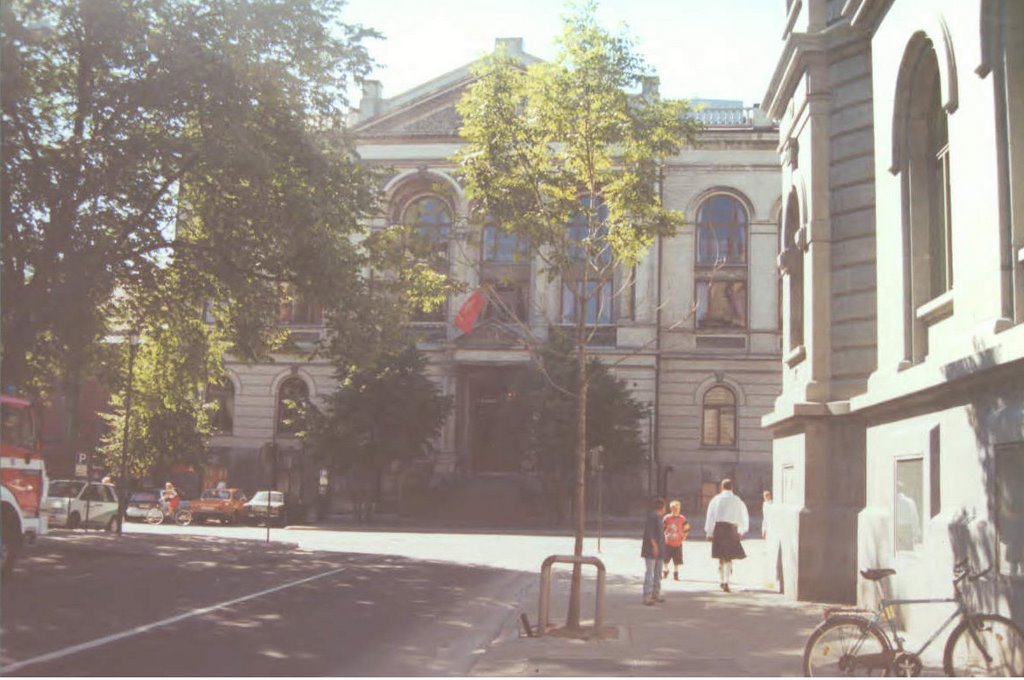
<point>851,641</point>
<point>157,515</point>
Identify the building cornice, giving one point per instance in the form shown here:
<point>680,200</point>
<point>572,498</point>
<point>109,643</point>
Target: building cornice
<point>860,18</point>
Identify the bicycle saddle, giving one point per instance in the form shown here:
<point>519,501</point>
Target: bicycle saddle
<point>875,574</point>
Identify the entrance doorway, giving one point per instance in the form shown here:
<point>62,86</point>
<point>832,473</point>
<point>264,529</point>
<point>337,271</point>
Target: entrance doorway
<point>497,421</point>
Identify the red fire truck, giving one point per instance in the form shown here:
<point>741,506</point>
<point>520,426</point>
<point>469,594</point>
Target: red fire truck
<point>23,474</point>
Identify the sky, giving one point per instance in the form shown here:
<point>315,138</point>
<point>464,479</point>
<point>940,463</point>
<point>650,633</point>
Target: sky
<point>714,49</point>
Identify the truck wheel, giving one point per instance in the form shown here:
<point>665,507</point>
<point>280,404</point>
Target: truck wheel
<point>10,543</point>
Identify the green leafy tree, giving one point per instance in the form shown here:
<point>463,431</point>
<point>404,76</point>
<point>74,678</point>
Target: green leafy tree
<point>562,155</point>
<point>385,412</point>
<point>547,396</point>
<point>177,356</point>
<point>203,135</point>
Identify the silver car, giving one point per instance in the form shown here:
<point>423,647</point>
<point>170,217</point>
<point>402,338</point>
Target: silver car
<point>262,508</point>
<point>74,503</point>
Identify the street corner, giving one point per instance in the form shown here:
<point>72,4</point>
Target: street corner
<point>697,631</point>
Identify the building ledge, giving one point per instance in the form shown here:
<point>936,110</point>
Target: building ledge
<point>936,309</point>
<point>895,383</point>
<point>790,410</point>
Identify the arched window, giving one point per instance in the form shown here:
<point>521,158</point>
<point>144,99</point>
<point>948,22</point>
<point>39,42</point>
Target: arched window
<point>292,397</point>
<point>925,177</point>
<point>721,264</point>
<point>793,261</point>
<point>431,220</point>
<point>223,395</point>
<point>719,423</point>
<point>588,244</point>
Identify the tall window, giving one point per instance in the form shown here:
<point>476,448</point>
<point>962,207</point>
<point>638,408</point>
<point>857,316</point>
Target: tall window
<point>594,297</point>
<point>1009,507</point>
<point>502,246</point>
<point>908,503</point>
<point>508,301</point>
<point>583,290</point>
<point>588,230</point>
<point>298,310</point>
<point>431,220</point>
<point>793,259</point>
<point>926,185</point>
<point>223,395</point>
<point>505,271</point>
<point>721,266</point>
<point>719,426</point>
<point>292,397</point>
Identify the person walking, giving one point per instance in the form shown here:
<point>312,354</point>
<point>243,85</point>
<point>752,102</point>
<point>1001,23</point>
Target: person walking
<point>653,551</point>
<point>766,511</point>
<point>727,520</point>
<point>676,530</point>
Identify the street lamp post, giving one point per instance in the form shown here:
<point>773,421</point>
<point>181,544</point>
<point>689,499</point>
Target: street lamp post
<point>133,345</point>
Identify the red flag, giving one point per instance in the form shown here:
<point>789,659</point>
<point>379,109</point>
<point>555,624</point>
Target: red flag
<point>469,310</point>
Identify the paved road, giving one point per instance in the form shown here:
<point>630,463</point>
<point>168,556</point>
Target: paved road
<point>197,601</point>
<point>173,604</point>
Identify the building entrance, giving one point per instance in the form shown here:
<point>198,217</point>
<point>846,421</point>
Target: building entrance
<point>496,432</point>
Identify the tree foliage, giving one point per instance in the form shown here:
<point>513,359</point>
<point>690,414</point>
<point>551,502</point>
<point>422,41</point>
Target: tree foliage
<point>177,356</point>
<point>568,156</point>
<point>206,134</point>
<point>382,413</point>
<point>547,395</point>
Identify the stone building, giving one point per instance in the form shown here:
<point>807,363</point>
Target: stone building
<point>698,343</point>
<point>898,439</point>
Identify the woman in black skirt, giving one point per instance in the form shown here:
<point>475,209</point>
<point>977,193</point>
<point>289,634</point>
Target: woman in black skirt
<point>726,522</point>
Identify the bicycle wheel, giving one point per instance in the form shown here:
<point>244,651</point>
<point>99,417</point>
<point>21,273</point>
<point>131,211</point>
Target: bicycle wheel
<point>846,646</point>
<point>1002,640</point>
<point>183,517</point>
<point>154,516</point>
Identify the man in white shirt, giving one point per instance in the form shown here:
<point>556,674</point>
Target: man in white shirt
<point>727,520</point>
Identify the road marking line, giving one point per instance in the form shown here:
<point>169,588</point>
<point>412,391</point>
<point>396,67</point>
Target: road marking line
<point>99,642</point>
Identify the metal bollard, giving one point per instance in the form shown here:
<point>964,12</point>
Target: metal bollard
<point>545,589</point>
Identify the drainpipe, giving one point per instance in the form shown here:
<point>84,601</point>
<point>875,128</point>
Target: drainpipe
<point>657,335</point>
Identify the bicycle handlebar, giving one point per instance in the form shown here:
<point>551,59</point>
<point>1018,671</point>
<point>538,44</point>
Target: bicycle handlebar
<point>962,570</point>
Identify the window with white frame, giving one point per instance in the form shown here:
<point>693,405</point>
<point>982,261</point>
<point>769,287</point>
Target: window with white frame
<point>721,264</point>
<point>909,512</point>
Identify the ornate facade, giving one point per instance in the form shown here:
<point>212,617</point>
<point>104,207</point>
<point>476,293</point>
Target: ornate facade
<point>898,439</point>
<point>696,340</point>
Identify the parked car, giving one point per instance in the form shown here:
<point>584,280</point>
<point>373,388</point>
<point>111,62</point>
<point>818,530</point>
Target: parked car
<point>140,502</point>
<point>260,508</point>
<point>225,505</point>
<point>73,503</point>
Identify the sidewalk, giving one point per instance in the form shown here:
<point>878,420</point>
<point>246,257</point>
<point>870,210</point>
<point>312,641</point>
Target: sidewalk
<point>698,631</point>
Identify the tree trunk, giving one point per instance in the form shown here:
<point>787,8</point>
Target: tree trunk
<point>573,618</point>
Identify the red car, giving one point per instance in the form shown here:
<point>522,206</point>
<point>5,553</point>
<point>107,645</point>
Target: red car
<point>221,504</point>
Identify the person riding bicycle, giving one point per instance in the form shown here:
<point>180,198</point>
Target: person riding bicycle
<point>169,498</point>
